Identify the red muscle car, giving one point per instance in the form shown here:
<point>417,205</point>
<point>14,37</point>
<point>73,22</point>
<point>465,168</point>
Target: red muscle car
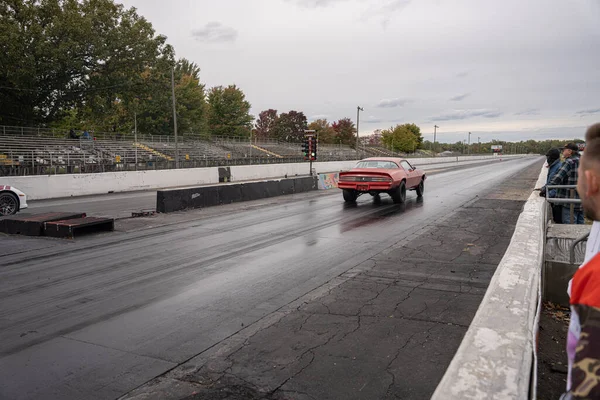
<point>382,175</point>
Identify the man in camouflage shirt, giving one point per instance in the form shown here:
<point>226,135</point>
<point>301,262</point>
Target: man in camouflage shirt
<point>567,175</point>
<point>583,339</point>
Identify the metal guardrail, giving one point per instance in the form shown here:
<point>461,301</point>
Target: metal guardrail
<point>572,201</point>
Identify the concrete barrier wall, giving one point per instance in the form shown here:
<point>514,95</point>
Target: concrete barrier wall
<point>495,358</point>
<point>55,186</point>
<point>171,200</point>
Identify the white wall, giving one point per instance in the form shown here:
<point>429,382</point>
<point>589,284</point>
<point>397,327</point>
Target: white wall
<point>56,186</point>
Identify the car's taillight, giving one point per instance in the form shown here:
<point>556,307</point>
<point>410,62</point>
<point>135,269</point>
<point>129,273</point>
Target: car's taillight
<point>381,179</point>
<point>365,179</point>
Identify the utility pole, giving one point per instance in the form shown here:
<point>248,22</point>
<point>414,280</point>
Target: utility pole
<point>250,146</point>
<point>478,144</point>
<point>434,137</point>
<point>135,138</point>
<point>358,110</point>
<point>174,117</point>
<point>469,148</point>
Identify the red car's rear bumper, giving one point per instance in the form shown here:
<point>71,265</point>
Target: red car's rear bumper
<point>366,186</point>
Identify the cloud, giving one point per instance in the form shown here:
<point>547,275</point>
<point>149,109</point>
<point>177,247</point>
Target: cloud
<point>384,11</point>
<point>460,97</point>
<point>314,3</point>
<point>456,115</point>
<point>529,111</point>
<point>588,112</point>
<point>215,32</point>
<point>392,103</point>
<point>318,116</point>
<point>463,74</point>
<point>372,120</point>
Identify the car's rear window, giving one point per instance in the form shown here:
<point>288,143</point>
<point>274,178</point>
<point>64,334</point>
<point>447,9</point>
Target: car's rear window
<point>377,164</point>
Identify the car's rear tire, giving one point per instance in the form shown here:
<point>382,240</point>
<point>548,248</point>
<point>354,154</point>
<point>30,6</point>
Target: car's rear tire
<point>9,204</point>
<point>421,188</point>
<point>350,195</point>
<point>399,194</point>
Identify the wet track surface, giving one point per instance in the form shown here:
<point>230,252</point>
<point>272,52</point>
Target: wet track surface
<point>122,205</point>
<point>98,317</point>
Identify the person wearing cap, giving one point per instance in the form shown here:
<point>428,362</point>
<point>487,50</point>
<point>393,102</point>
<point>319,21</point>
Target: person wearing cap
<point>553,165</point>
<point>567,175</point>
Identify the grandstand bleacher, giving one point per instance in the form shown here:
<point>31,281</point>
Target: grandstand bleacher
<point>33,151</point>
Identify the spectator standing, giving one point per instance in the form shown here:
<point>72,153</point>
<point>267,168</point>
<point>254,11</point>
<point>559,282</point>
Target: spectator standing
<point>554,164</point>
<point>583,339</point>
<point>567,175</point>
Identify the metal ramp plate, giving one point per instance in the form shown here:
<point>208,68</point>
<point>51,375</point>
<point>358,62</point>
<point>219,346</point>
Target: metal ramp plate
<point>33,225</point>
<point>77,227</point>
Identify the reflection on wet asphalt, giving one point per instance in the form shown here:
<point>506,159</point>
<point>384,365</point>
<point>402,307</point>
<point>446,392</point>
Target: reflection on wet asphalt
<point>104,315</point>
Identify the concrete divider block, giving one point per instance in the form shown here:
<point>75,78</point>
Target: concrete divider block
<point>305,184</point>
<point>272,188</point>
<point>171,200</point>
<point>230,193</point>
<point>253,191</point>
<point>210,196</point>
<point>286,186</point>
<point>183,199</point>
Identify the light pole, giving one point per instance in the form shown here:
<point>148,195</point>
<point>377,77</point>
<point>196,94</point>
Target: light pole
<point>174,117</point>
<point>478,144</point>
<point>135,138</point>
<point>469,148</point>
<point>434,136</point>
<point>358,110</point>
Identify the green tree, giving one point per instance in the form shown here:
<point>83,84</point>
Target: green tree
<point>229,112</point>
<point>416,131</point>
<point>345,132</point>
<point>64,54</point>
<point>155,112</point>
<point>324,130</point>
<point>400,138</point>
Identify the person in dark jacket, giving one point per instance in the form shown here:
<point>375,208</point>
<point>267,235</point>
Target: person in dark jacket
<point>554,164</point>
<point>567,175</point>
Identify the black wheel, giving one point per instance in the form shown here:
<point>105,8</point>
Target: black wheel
<point>399,195</point>
<point>9,204</point>
<point>350,195</point>
<point>421,189</point>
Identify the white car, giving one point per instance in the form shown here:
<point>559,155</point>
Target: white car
<point>12,200</point>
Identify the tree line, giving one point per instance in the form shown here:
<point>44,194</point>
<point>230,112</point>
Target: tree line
<point>93,64</point>
<point>96,65</point>
<point>521,147</point>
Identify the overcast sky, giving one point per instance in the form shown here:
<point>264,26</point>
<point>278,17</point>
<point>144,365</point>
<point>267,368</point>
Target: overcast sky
<point>510,69</point>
